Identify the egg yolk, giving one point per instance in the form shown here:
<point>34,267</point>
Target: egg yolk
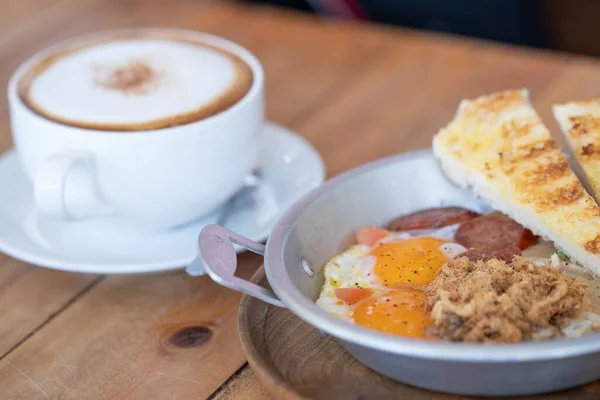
<point>412,261</point>
<point>398,312</point>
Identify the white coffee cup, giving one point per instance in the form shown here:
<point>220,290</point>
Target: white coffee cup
<point>155,177</point>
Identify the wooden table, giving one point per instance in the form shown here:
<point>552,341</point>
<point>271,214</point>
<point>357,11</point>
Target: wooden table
<point>357,92</point>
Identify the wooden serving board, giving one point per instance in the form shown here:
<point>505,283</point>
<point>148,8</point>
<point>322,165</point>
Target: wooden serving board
<point>293,360</point>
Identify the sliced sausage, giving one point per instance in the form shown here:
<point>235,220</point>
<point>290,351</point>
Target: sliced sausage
<point>494,230</point>
<point>504,253</point>
<point>433,218</point>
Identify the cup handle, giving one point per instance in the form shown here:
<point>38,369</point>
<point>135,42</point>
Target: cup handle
<point>65,188</point>
<point>218,258</point>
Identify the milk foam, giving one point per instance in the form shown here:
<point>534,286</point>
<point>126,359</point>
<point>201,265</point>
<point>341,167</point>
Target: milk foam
<point>132,81</point>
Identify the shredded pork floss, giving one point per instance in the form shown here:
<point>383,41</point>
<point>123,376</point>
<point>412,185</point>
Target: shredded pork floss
<point>501,302</point>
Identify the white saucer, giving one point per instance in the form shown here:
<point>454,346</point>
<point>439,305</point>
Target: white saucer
<point>290,168</point>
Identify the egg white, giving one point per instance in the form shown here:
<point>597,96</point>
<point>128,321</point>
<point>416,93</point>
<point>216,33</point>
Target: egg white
<point>354,267</point>
<point>343,270</point>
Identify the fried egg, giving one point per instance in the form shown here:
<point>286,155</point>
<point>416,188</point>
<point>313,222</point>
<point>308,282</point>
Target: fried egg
<point>399,312</point>
<point>378,284</point>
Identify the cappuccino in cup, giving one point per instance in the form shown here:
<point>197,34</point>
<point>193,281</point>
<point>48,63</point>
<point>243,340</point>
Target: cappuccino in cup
<point>153,127</point>
<point>136,83</point>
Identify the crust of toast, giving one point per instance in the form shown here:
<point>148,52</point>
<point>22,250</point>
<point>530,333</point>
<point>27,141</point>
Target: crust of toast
<point>580,124</point>
<point>498,145</point>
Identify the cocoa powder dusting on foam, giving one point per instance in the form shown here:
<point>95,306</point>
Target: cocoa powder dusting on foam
<point>136,77</point>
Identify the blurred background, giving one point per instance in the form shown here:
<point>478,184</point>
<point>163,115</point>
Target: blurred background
<point>568,25</point>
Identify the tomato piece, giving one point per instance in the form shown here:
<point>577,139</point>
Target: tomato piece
<point>528,239</point>
<point>352,295</point>
<point>370,235</point>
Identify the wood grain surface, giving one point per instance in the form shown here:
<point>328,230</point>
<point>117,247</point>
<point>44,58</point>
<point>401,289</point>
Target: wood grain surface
<point>357,92</point>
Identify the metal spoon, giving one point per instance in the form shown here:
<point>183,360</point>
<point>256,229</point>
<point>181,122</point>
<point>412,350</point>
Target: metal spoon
<point>242,198</point>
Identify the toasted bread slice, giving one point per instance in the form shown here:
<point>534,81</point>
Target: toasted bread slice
<point>580,124</point>
<point>498,145</point>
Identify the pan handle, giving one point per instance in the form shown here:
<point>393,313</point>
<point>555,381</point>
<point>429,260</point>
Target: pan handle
<point>218,258</point>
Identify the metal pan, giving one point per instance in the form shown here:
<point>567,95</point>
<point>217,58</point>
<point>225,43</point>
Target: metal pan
<point>323,223</point>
